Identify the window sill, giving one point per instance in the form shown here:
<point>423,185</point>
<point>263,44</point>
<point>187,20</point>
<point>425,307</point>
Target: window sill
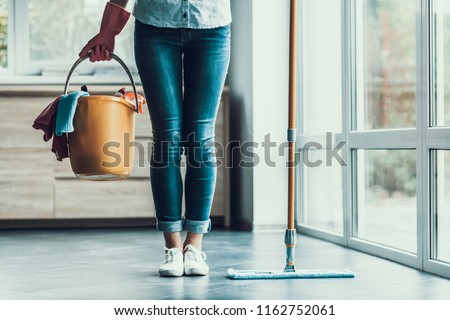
<point>61,80</point>
<point>52,90</point>
<point>54,85</point>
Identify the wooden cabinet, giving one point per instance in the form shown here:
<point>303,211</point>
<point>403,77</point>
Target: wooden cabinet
<point>34,185</point>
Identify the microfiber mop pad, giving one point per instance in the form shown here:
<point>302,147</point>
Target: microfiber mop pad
<point>298,274</point>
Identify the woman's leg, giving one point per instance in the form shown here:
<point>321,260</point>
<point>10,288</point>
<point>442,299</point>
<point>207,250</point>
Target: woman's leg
<point>194,239</point>
<point>159,61</point>
<point>206,60</point>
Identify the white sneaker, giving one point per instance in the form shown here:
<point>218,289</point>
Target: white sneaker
<point>194,262</point>
<point>172,266</point>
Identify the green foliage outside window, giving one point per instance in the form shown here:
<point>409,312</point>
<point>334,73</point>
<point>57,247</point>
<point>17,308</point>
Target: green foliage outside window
<point>3,35</point>
<point>390,64</point>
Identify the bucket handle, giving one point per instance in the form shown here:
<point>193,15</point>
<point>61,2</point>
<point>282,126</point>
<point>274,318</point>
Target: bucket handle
<point>120,61</point>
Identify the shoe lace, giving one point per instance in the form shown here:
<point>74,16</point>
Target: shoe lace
<point>195,255</point>
<point>170,255</point>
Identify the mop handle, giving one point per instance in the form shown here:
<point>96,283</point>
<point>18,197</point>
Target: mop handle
<point>292,112</point>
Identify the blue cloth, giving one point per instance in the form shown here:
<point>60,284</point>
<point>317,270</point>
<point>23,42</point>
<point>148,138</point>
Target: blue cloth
<point>66,110</point>
<point>182,120</point>
<point>195,14</point>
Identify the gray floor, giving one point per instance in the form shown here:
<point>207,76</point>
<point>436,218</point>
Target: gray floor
<point>122,264</point>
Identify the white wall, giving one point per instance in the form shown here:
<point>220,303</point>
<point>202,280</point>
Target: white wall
<point>240,80</point>
<point>259,86</point>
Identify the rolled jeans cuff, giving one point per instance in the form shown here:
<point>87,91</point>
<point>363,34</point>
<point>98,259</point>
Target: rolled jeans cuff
<point>195,226</point>
<point>169,226</point>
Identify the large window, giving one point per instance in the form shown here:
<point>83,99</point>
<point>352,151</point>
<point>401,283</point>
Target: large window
<point>386,62</point>
<point>322,67</point>
<point>442,209</point>
<point>323,202</point>
<point>441,46</point>
<point>45,37</point>
<point>386,193</point>
<point>439,132</point>
<point>3,34</point>
<point>321,103</point>
<point>376,73</point>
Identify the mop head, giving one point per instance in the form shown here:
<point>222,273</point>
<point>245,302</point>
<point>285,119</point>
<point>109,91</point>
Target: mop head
<point>298,274</point>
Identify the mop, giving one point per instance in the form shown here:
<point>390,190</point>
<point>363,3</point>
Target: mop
<point>290,234</point>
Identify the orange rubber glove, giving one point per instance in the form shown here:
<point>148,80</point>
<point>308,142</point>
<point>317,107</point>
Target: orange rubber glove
<point>99,47</point>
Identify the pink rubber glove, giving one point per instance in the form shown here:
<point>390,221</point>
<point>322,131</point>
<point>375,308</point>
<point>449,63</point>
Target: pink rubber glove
<point>99,47</point>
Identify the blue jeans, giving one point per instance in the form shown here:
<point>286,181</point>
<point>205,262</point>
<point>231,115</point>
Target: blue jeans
<point>183,73</point>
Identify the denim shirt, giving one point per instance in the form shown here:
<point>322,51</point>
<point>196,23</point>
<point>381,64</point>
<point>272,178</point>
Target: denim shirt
<point>195,14</point>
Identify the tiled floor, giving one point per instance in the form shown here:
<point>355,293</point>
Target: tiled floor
<point>122,264</point>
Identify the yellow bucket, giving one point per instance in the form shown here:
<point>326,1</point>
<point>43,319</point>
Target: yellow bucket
<point>101,146</point>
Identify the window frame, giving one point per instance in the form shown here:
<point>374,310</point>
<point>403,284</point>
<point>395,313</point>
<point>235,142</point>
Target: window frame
<point>424,138</point>
<point>22,70</point>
